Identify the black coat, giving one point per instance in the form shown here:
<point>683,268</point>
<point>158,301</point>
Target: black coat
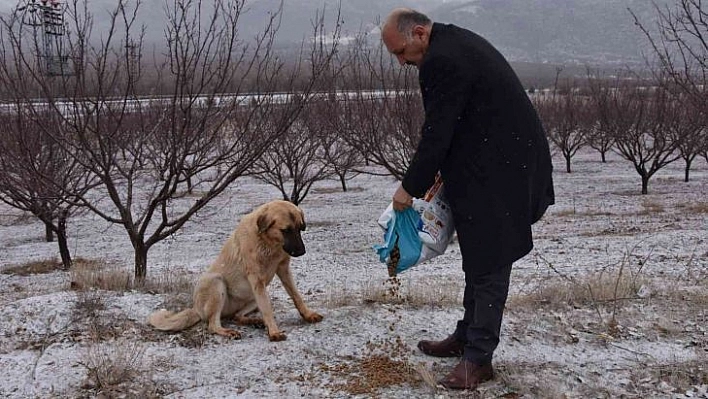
<point>483,134</point>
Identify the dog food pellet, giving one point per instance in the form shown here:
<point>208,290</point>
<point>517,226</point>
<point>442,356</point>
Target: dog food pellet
<point>393,260</point>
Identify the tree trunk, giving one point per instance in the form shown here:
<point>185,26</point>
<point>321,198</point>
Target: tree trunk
<point>602,155</point>
<point>687,171</point>
<point>344,182</point>
<point>48,232</point>
<point>295,199</point>
<point>567,163</point>
<point>141,252</point>
<point>645,184</point>
<point>190,188</point>
<point>63,244</point>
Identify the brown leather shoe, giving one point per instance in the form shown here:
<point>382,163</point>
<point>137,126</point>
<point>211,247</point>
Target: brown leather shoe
<point>467,375</point>
<point>449,347</point>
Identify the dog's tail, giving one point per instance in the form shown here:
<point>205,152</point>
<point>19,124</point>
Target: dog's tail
<point>170,321</point>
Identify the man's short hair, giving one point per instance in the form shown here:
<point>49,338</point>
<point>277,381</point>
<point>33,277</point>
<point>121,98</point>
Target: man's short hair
<point>408,19</point>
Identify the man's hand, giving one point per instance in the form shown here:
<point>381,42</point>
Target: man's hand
<point>401,199</point>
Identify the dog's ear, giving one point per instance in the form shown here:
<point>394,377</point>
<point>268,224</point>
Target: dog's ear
<point>302,217</point>
<point>264,223</point>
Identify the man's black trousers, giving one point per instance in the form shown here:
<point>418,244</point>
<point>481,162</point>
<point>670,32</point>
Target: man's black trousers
<point>486,291</point>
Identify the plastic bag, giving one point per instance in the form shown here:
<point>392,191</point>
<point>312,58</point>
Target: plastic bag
<point>402,246</point>
<point>436,227</point>
<point>418,233</point>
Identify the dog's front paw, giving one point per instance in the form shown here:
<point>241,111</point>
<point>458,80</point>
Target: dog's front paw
<point>277,336</point>
<point>313,317</point>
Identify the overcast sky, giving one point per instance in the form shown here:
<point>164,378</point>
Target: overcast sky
<point>600,31</point>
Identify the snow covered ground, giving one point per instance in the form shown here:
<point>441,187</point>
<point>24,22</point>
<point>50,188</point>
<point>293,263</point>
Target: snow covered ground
<point>563,334</point>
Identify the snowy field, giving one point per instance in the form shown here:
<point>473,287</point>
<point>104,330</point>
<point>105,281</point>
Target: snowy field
<point>612,302</point>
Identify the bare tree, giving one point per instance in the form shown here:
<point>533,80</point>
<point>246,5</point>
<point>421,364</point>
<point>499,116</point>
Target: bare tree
<point>680,45</point>
<point>686,124</point>
<point>295,161</point>
<point>323,116</point>
<point>565,118</point>
<point>680,42</point>
<point>148,153</point>
<point>38,176</point>
<point>343,160</point>
<point>600,136</point>
<point>640,118</point>
<point>382,117</point>
<point>599,140</point>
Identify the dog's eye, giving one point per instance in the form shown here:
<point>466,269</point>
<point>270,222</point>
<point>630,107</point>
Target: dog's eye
<point>287,230</point>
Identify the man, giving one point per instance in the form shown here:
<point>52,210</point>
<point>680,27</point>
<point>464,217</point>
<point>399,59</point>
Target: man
<point>484,136</point>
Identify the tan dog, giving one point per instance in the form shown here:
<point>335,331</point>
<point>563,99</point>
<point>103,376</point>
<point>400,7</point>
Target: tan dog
<point>235,284</point>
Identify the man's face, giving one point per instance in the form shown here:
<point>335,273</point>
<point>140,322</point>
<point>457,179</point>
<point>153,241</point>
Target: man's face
<point>407,52</point>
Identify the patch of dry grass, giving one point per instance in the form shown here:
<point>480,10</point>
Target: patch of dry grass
<point>320,223</point>
<point>90,278</point>
<point>116,369</point>
<point>36,267</point>
<point>681,376</point>
<point>565,212</point>
<point>338,297</point>
<point>426,375</point>
<point>612,231</point>
<point>433,292</point>
<point>98,274</point>
<point>575,212</point>
<point>602,287</point>
<point>88,304</point>
<point>651,207</point>
<point>333,190</point>
<point>95,326</point>
<point>681,310</point>
<point>115,365</point>
<point>696,207</point>
<point>513,377</point>
<point>175,281</point>
<point>696,295</point>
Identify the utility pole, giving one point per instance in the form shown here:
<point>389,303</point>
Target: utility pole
<point>133,63</point>
<point>46,17</point>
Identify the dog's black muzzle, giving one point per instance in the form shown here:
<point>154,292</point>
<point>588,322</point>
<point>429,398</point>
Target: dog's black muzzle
<point>292,243</point>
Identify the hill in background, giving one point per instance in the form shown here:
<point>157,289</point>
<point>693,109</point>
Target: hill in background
<point>600,33</point>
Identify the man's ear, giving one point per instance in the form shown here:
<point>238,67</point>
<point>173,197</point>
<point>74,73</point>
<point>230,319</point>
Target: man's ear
<point>264,223</point>
<point>419,31</point>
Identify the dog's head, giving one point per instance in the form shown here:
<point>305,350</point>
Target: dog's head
<point>281,222</point>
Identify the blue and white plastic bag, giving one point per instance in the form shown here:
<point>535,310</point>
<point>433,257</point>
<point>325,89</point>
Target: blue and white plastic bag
<point>402,246</point>
<point>416,234</point>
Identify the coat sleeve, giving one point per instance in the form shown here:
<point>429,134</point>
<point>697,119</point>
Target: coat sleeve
<point>445,95</point>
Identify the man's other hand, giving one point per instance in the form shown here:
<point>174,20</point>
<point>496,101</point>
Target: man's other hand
<point>401,199</point>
